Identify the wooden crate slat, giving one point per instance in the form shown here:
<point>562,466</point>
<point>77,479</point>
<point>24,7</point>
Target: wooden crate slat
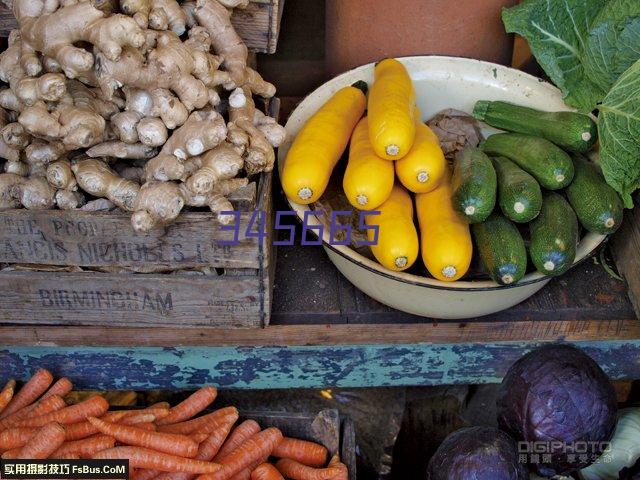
<point>58,237</point>
<point>130,300</point>
<point>625,247</point>
<point>257,25</point>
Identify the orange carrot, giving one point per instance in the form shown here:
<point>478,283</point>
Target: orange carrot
<point>93,407</point>
<point>170,443</point>
<point>266,471</point>
<point>157,413</point>
<point>145,474</point>
<point>7,394</point>
<point>42,407</point>
<point>145,458</point>
<point>15,438</point>
<point>190,407</point>
<point>344,471</point>
<point>199,437</point>
<point>29,393</point>
<point>86,447</point>
<point>85,429</point>
<point>166,405</point>
<point>297,471</point>
<point>137,419</point>
<point>255,449</point>
<point>206,451</point>
<point>11,454</point>
<point>307,453</point>
<point>149,426</point>
<point>245,474</point>
<point>241,434</point>
<point>44,442</point>
<point>62,387</point>
<point>206,423</point>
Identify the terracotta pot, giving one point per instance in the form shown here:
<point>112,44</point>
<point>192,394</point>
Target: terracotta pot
<point>363,31</point>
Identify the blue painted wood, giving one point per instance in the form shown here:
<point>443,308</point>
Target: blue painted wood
<point>294,366</point>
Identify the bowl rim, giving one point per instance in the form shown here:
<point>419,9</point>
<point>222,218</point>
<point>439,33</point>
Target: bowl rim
<point>350,254</point>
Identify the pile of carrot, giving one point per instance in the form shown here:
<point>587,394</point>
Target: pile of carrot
<point>161,442</point>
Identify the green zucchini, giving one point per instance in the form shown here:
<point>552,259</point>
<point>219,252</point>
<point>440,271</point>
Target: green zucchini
<point>519,194</point>
<point>474,185</point>
<point>598,206</point>
<point>571,130</point>
<point>554,236</point>
<point>549,164</point>
<point>501,249</point>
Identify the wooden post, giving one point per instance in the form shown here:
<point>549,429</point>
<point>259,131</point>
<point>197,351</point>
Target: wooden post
<point>625,246</point>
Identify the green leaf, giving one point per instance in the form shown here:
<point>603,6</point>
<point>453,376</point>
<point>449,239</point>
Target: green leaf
<point>557,32</point>
<point>613,44</point>
<point>619,132</point>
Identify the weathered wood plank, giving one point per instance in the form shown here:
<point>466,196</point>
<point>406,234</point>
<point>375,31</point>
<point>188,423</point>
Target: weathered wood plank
<point>95,239</point>
<point>294,366</point>
<point>525,331</point>
<point>258,25</point>
<point>625,247</point>
<point>130,300</point>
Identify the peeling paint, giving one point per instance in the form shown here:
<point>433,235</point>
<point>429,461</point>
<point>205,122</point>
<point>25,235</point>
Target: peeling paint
<point>294,366</point>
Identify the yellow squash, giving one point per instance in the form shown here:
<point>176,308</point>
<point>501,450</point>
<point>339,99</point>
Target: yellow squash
<point>391,104</point>
<point>421,170</point>
<point>368,179</point>
<point>320,144</point>
<point>397,247</point>
<point>445,237</point>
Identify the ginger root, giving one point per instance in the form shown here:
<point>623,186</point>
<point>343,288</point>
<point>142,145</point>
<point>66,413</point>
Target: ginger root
<point>157,205</point>
<point>219,163</point>
<point>33,193</point>
<point>97,179</point>
<point>60,175</point>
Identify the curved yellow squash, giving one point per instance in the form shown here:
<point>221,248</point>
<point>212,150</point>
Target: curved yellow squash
<point>391,110</point>
<point>397,247</point>
<point>446,240</point>
<point>422,169</point>
<point>368,179</point>
<point>320,144</point>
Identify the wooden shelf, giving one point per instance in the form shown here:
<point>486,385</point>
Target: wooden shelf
<point>324,332</point>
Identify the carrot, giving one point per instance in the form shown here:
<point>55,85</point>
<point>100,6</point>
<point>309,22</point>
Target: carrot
<point>199,437</point>
<point>297,471</point>
<point>29,393</point>
<point>307,453</point>
<point>144,458</point>
<point>86,447</point>
<point>44,442</point>
<point>62,387</point>
<point>11,454</point>
<point>344,471</point>
<point>15,438</point>
<point>255,449</point>
<point>145,474</point>
<point>157,413</point>
<point>242,433</point>
<point>149,426</point>
<point>206,451</point>
<point>42,407</point>
<point>206,423</point>
<point>166,405</point>
<point>7,394</point>
<point>93,407</point>
<point>190,407</point>
<point>85,429</point>
<point>266,471</point>
<point>246,473</point>
<point>137,419</point>
<point>170,443</point>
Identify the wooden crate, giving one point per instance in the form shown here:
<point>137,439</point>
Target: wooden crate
<point>258,24</point>
<point>326,428</point>
<point>91,268</point>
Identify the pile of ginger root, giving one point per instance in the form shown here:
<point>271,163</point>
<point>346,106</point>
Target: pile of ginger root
<point>143,105</point>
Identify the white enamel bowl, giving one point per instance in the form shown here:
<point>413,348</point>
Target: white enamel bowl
<point>440,83</point>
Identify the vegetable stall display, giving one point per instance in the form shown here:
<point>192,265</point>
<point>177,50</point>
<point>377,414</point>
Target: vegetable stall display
<point>154,111</point>
<point>161,442</point>
<point>527,189</point>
